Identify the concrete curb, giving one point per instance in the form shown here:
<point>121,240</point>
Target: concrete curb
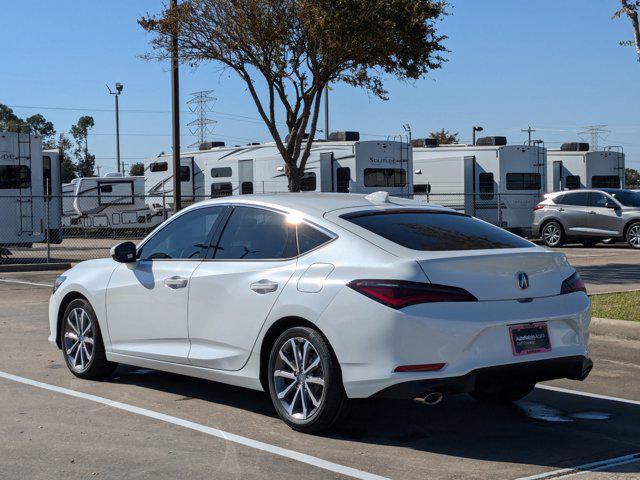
<point>625,329</point>
<point>34,267</point>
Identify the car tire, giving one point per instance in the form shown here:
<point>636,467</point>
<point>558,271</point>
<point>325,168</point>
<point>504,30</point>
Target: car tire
<point>552,234</point>
<point>633,235</point>
<point>503,393</point>
<point>306,389</point>
<point>82,345</point>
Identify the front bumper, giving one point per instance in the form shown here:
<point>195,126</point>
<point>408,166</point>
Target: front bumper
<point>575,368</point>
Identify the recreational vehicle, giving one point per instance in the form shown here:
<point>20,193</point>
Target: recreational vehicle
<point>112,202</point>
<point>30,205</point>
<point>575,166</point>
<point>68,212</point>
<point>341,164</point>
<point>491,180</point>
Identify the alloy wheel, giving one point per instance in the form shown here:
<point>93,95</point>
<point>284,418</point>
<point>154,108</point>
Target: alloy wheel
<point>551,234</point>
<point>79,339</point>
<point>299,378</point>
<point>634,236</point>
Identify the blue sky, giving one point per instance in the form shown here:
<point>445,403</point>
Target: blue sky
<point>555,65</point>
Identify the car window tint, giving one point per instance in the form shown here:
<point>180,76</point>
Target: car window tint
<point>184,237</point>
<point>599,199</point>
<point>255,234</point>
<point>626,197</point>
<point>310,237</point>
<point>580,199</point>
<point>434,231</point>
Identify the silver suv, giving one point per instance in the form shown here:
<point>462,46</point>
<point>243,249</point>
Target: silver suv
<point>588,216</point>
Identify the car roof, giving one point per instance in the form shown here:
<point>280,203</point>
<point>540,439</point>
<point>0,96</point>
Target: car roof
<point>317,204</point>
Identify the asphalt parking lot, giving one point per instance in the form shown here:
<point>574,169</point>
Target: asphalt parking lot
<point>148,424</point>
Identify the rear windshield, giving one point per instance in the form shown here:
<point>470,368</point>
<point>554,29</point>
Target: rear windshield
<point>436,231</point>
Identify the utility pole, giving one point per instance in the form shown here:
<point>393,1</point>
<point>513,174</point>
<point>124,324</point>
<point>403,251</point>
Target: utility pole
<point>98,168</point>
<point>476,128</point>
<point>326,112</point>
<point>407,128</point>
<point>175,118</point>
<point>529,130</point>
<point>117,93</point>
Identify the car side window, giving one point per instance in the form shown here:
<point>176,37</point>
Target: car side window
<point>580,199</point>
<point>255,233</point>
<point>185,237</point>
<point>310,237</point>
<point>599,199</point>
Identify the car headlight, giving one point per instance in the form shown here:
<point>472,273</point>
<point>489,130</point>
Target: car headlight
<point>58,282</point>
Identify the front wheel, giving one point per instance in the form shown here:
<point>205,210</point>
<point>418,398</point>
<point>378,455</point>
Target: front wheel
<point>503,393</point>
<point>552,235</point>
<point>633,235</point>
<point>82,345</point>
<point>305,383</point>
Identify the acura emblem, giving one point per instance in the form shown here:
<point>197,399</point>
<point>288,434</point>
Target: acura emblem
<point>523,280</point>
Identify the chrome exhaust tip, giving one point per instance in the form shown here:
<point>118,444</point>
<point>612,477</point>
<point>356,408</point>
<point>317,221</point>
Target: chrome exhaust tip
<point>432,398</point>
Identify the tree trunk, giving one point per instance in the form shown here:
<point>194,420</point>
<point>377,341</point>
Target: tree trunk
<point>295,178</point>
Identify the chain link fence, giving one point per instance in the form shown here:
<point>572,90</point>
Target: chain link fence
<point>39,229</point>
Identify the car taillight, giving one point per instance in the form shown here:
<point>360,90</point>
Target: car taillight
<point>573,284</point>
<point>399,294</point>
<point>538,207</point>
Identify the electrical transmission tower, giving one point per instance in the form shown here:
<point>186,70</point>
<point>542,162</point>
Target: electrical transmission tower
<point>200,105</point>
<point>593,134</point>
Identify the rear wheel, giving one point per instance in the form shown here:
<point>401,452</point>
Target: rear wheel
<point>552,234</point>
<point>82,345</point>
<point>633,235</point>
<point>305,383</point>
<point>503,393</point>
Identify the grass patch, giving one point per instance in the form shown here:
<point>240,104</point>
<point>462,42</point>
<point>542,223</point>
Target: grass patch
<point>620,306</point>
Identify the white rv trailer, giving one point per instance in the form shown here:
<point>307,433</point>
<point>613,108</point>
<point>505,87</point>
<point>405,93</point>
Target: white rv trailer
<point>68,212</point>
<point>575,166</point>
<point>493,181</point>
<point>112,202</point>
<point>345,165</point>
<point>30,205</point>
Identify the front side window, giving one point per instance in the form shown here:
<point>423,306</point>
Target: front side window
<point>184,237</point>
<point>159,167</point>
<point>579,199</point>
<point>385,177</point>
<point>626,198</point>
<point>486,184</point>
<point>308,182</point>
<point>223,189</point>
<point>605,181</point>
<point>435,231</point>
<point>599,199</point>
<point>524,181</point>
<point>185,173</point>
<point>256,234</point>
<point>572,182</point>
<point>14,177</point>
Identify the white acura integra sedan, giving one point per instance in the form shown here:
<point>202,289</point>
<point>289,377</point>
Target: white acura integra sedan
<point>319,298</point>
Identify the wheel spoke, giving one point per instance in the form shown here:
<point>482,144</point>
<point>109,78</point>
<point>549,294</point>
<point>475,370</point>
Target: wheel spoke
<point>313,398</point>
<point>293,402</point>
<point>315,381</point>
<point>284,374</point>
<point>294,352</point>
<point>87,357</point>
<point>75,357</point>
<point>71,335</point>
<point>305,353</point>
<point>303,401</point>
<point>313,365</point>
<point>78,320</point>
<point>70,349</point>
<point>75,330</point>
<point>286,360</point>
<point>88,340</point>
<point>287,390</point>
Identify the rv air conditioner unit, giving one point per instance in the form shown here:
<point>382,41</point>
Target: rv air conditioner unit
<point>210,145</point>
<point>491,141</point>
<point>344,136</point>
<point>425,142</point>
<point>574,147</point>
<point>304,137</point>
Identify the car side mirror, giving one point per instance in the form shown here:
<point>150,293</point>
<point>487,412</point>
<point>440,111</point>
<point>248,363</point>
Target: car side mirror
<point>611,205</point>
<point>124,252</point>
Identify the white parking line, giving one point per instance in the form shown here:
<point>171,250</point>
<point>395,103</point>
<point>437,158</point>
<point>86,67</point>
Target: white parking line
<point>24,282</point>
<point>586,468</point>
<point>230,437</point>
<point>587,394</point>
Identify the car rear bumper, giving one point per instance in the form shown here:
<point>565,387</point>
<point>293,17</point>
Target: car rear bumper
<point>574,367</point>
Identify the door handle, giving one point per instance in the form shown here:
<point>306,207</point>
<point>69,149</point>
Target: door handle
<point>592,212</point>
<point>175,282</point>
<point>561,209</point>
<point>264,286</point>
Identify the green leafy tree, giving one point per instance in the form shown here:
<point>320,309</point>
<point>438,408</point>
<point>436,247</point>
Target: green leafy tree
<point>67,167</point>
<point>630,9</point>
<point>137,169</point>
<point>632,178</point>
<point>288,51</point>
<point>9,121</point>
<point>86,162</point>
<point>39,125</point>
<point>444,137</point>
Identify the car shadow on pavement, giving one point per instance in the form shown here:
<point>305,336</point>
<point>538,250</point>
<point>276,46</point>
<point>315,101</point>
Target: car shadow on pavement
<point>547,428</point>
<point>610,274</point>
